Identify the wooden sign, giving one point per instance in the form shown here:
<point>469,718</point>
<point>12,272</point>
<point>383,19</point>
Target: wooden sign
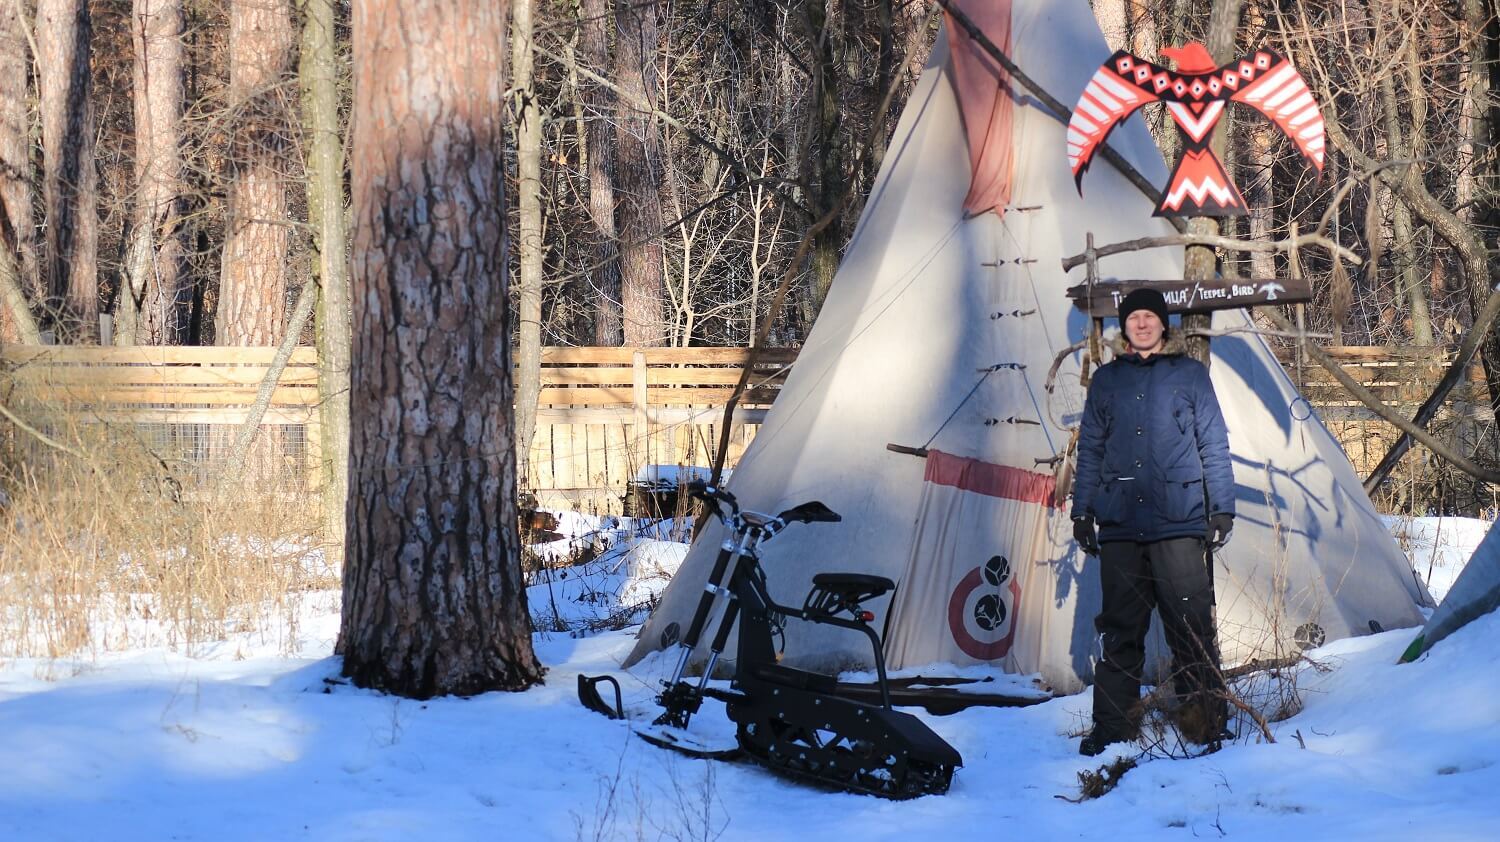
<point>1194,296</point>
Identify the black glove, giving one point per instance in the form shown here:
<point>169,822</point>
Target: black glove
<point>1084,534</point>
<point>1218,529</point>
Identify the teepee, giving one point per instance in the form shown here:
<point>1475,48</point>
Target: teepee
<point>1475,593</point>
<point>938,335</point>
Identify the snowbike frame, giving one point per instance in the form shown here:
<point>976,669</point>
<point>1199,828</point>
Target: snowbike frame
<point>789,720</point>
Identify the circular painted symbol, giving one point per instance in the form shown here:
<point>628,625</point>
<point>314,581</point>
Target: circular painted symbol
<point>1309,636</point>
<point>669,635</point>
<point>996,570</point>
<point>981,610</point>
<point>989,612</point>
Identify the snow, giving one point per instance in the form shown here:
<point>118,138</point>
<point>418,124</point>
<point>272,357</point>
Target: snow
<point>259,739</point>
<point>1438,547</point>
<point>671,476</point>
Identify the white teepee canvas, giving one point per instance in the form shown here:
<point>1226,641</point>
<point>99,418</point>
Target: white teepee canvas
<point>939,332</point>
<point>1475,593</point>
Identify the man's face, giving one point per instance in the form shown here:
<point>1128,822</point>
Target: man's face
<point>1144,331</point>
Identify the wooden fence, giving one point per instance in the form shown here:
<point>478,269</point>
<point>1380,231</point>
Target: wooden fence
<point>604,413</point>
<point>1402,377</point>
<point>185,401</point>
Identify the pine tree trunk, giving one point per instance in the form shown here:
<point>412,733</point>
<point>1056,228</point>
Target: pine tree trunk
<point>434,601</point>
<point>252,276</point>
<point>1403,242</point>
<point>325,210</point>
<point>529,237</point>
<point>594,20</point>
<point>70,183</point>
<point>827,161</point>
<point>638,177</point>
<point>1201,262</point>
<point>15,154</point>
<point>1483,30</point>
<point>152,312</point>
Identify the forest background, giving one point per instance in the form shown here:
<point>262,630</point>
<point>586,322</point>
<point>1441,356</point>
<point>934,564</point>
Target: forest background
<point>173,172</point>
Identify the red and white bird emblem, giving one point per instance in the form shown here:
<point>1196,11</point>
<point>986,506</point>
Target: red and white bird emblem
<point>1195,95</point>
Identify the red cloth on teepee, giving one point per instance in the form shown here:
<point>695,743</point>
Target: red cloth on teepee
<point>984,99</point>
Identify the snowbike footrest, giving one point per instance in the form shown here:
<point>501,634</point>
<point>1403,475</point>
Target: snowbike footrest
<point>588,695</point>
<point>795,678</point>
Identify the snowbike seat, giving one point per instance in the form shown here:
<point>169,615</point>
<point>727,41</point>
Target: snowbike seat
<point>853,587</point>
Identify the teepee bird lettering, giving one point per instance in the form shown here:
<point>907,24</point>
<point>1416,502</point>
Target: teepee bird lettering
<point>1195,95</point>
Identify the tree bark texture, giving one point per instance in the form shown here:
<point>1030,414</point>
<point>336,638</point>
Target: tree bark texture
<point>152,313</point>
<point>1483,28</point>
<point>15,153</point>
<point>325,210</point>
<point>1403,243</point>
<point>638,176</point>
<point>594,24</point>
<point>829,151</point>
<point>529,235</point>
<point>252,275</point>
<point>434,601</point>
<point>70,184</point>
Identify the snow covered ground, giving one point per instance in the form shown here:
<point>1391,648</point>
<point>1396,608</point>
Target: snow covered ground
<point>247,743</point>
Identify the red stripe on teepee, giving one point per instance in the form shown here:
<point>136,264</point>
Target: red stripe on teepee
<point>990,479</point>
<point>984,100</point>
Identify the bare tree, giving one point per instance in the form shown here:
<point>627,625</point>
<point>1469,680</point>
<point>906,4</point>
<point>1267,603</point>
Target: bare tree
<point>70,184</point>
<point>598,145</point>
<point>150,312</point>
<point>15,146</point>
<point>325,209</point>
<point>638,175</point>
<point>252,278</point>
<point>433,596</point>
<point>529,278</point>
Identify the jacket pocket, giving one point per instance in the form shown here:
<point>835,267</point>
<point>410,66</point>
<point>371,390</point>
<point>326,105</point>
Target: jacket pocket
<point>1182,498</point>
<point>1110,505</point>
<point>1182,412</point>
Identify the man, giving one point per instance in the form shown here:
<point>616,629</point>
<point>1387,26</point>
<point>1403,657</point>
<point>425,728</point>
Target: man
<point>1154,474</point>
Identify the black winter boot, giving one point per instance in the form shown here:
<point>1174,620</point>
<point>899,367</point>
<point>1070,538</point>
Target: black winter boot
<point>1096,741</point>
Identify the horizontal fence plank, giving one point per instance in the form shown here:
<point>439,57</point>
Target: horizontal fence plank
<point>291,416</point>
<point>625,415</point>
<point>153,354</point>
<point>664,395</point>
<point>1375,353</point>
<point>162,375</point>
<point>562,355</point>
<point>617,376</point>
<point>213,396</point>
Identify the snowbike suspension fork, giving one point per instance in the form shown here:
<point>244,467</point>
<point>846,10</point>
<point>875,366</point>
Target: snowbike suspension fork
<point>727,552</point>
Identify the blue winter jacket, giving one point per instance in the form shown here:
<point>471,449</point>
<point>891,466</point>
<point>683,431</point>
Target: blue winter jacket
<point>1153,452</point>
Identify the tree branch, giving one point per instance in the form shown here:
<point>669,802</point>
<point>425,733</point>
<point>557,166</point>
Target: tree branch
<point>1471,250</point>
<point>1374,404</point>
<point>1216,240</point>
<point>647,108</point>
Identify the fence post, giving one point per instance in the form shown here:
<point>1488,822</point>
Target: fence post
<point>638,381</point>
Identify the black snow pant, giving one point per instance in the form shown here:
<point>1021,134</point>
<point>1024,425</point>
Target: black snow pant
<point>1173,577</point>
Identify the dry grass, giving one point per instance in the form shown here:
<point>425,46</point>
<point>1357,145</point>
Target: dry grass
<point>114,537</point>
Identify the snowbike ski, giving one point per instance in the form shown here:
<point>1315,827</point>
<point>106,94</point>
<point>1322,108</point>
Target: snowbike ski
<point>790,721</point>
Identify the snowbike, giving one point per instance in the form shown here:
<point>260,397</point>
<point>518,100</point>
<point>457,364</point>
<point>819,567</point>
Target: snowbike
<point>791,721</point>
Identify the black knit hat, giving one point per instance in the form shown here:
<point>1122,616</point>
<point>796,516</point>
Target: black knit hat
<point>1144,298</point>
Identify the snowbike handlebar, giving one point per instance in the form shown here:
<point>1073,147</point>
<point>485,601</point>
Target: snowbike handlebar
<point>811,512</point>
